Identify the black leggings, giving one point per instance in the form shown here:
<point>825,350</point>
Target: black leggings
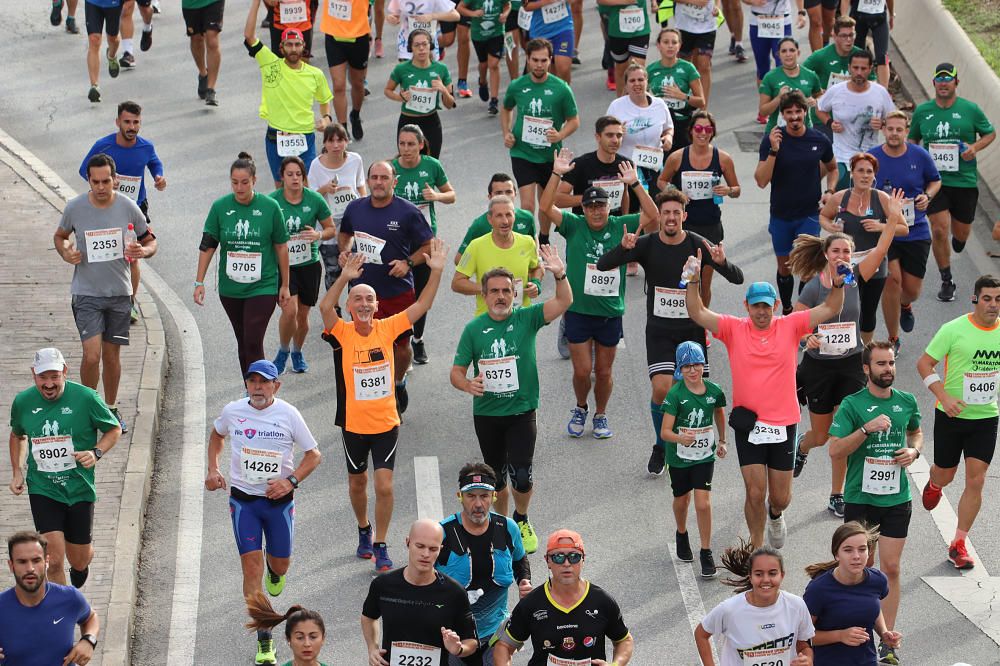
<point>870,292</point>
<point>508,446</point>
<point>431,126</point>
<point>878,26</point>
<point>249,317</point>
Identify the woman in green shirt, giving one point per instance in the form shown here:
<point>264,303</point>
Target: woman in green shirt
<point>790,76</point>
<point>304,629</point>
<point>249,230</point>
<point>677,82</point>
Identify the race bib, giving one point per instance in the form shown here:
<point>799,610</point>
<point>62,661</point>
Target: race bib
<point>601,283</point>
<point>260,465</point>
<point>369,246</point>
<point>704,440</point>
<point>837,338</point>
<point>909,212</point>
<point>559,661</point>
<point>675,104</point>
<point>524,19</point>
<point>648,157</point>
<point>837,77</point>
<point>104,245</point>
<point>554,12</point>
<point>339,200</point>
<point>425,210</point>
<point>53,454</point>
<point>290,145</point>
<point>693,12</point>
<point>945,156</point>
<point>533,131</point>
<point>631,19</point>
<point>615,190</point>
<point>881,476</point>
<point>293,12</point>
<point>979,388</point>
<point>499,374</point>
<point>299,250</point>
<point>772,656</point>
<point>243,267</point>
<point>770,27</point>
<point>129,186</point>
<point>670,303</point>
<point>422,100</point>
<point>871,6</point>
<point>429,26</point>
<point>697,184</point>
<point>509,46</point>
<point>372,382</point>
<point>404,653</point>
<point>765,433</point>
<point>340,9</point>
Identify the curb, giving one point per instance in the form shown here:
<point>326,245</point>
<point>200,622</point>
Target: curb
<point>116,635</point>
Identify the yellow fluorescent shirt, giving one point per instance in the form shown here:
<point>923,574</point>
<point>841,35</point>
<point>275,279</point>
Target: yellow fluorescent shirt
<point>483,255</point>
<point>288,95</point>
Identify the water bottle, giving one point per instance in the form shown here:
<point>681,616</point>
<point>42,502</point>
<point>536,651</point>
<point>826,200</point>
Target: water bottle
<point>887,187</point>
<point>130,238</point>
<point>845,270</point>
<point>716,198</point>
<point>691,268</point>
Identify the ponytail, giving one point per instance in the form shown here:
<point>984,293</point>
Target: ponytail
<point>840,535</point>
<point>808,256</point>
<point>738,560</point>
<point>263,617</point>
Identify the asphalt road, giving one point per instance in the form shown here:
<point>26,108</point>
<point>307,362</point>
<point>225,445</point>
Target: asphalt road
<point>597,487</point>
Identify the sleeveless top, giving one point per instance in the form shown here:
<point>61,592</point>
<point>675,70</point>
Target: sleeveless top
<point>701,212</point>
<point>863,240</point>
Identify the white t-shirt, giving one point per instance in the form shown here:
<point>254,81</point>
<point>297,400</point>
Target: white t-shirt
<point>694,19</point>
<point>643,125</point>
<point>261,442</point>
<point>854,111</point>
<point>772,8</point>
<point>739,628</point>
<point>349,177</point>
<point>408,8</point>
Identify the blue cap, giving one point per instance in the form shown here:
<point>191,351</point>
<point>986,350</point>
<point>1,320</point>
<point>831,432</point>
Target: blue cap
<point>761,292</point>
<point>688,353</point>
<point>264,368</point>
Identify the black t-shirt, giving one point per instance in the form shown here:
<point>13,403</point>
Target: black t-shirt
<point>589,170</point>
<point>796,182</point>
<point>482,567</point>
<point>567,633</point>
<point>416,613</point>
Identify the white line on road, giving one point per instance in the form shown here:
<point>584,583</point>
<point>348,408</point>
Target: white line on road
<point>690,593</point>
<point>429,505</point>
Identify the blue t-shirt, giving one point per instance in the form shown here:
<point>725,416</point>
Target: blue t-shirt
<point>836,606</point>
<point>42,634</point>
<point>539,28</point>
<point>911,171</point>
<point>128,161</point>
<point>796,185</point>
<point>107,4</point>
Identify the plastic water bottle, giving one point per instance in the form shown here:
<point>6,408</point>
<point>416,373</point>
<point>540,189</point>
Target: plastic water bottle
<point>845,270</point>
<point>717,199</point>
<point>130,238</point>
<point>887,187</point>
<point>690,269</point>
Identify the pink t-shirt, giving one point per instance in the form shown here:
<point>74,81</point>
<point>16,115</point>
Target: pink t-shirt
<point>763,363</point>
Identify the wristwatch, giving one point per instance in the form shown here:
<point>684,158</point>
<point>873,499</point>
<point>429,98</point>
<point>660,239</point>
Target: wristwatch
<point>292,479</point>
<point>98,453</point>
<point>409,262</point>
<point>90,638</point>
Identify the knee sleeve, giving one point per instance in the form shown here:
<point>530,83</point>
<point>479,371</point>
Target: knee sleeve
<point>520,478</point>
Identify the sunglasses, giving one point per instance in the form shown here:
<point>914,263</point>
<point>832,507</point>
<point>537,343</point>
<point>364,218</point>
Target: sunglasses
<point>702,129</point>
<point>560,558</point>
<point>944,78</point>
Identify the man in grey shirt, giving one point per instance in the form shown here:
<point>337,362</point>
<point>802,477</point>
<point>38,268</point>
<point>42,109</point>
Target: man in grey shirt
<point>102,287</point>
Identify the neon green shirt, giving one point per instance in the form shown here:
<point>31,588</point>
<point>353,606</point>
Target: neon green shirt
<point>524,223</point>
<point>483,255</point>
<point>971,357</point>
<point>287,94</point>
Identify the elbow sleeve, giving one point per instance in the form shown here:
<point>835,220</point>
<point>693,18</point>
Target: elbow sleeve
<point>208,242</point>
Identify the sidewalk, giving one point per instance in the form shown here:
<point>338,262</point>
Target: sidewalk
<point>35,312</point>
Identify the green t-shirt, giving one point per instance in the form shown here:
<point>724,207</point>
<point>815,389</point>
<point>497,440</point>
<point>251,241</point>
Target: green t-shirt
<point>692,410</point>
<point>56,428</point>
<point>197,4</point>
<point>410,185</point>
<point>308,213</point>
<point>832,67</point>
<point>806,81</point>
<point>632,18</point>
<point>971,357</point>
<point>595,293</point>
<point>524,223</point>
<point>504,351</point>
<point>962,122</point>
<point>551,99</point>
<point>489,24</point>
<point>407,75</point>
<point>483,255</point>
<point>863,469</point>
<point>247,236</point>
<point>680,74</point>
<point>287,94</point>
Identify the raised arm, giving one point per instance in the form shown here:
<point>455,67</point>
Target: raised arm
<point>833,304</point>
<point>697,311</point>
<point>250,27</point>
<point>352,270</point>
<point>562,164</point>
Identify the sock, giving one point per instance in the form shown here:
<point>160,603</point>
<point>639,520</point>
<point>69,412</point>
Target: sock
<point>292,347</point>
<point>583,407</point>
<point>380,544</point>
<point>519,517</point>
<point>654,411</point>
<point>416,339</point>
<point>945,274</point>
<point>771,515</point>
<point>263,635</point>
<point>786,283</point>
<point>127,48</point>
<point>401,385</point>
<point>957,245</point>
<point>147,27</point>
<point>960,535</point>
<point>283,348</point>
<point>461,81</point>
<point>78,578</point>
<point>933,486</point>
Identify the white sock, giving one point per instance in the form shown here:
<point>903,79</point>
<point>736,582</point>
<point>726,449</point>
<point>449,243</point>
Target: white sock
<point>126,46</point>
<point>147,27</point>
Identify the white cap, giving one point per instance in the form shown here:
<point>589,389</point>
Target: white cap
<point>47,359</point>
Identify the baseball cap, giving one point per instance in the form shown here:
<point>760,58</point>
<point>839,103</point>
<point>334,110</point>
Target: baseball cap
<point>688,353</point>
<point>292,33</point>
<point>264,368</point>
<point>47,359</point>
<point>946,69</point>
<point>476,482</point>
<point>594,195</point>
<point>564,539</point>
<point>761,292</point>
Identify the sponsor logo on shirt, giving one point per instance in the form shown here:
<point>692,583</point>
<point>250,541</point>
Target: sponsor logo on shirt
<point>569,643</point>
<point>67,410</point>
<point>251,433</point>
<point>588,641</point>
<point>541,615</point>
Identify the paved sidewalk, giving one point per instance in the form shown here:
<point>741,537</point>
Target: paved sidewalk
<point>35,312</point>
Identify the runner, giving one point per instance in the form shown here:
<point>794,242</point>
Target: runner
<point>875,17</point>
<point>56,424</point>
<point>568,619</point>
<point>599,168</point>
<point>732,11</point>
<point>305,630</point>
<point>500,346</point>
<point>649,128</point>
<point>500,184</point>
<point>483,552</point>
<point>793,160</point>
<point>424,15</point>
<point>691,409</point>
<point>965,421</point>
<point>289,87</point>
<point>821,17</point>
<point>677,82</point>
<point>488,19</point>
<point>425,614</point>
<point>133,155</point>
<point>780,80</point>
<point>449,31</point>
<point>309,222</point>
<point>203,19</point>
<point>553,22</point>
<point>110,233</point>
<point>102,17</point>
<point>843,599</point>
<point>627,39</point>
<point>424,88</point>
<point>698,171</point>
<point>696,22</point>
<point>878,490</point>
<point>770,20</point>
<point>262,431</point>
<point>832,63</point>
<point>253,274</point>
<point>593,324</point>
<point>55,17</point>
<point>339,175</point>
<point>663,256</point>
<point>763,623</point>
<point>347,34</point>
<point>31,612</point>
<point>953,130</point>
<point>294,14</point>
<point>514,36</point>
<point>127,25</point>
<point>908,167</point>
<point>367,406</point>
<point>762,351</point>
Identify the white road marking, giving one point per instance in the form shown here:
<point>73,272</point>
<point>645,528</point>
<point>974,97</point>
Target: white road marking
<point>690,594</point>
<point>429,505</point>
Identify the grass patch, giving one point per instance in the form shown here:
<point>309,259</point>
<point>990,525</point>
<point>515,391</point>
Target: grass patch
<point>981,21</point>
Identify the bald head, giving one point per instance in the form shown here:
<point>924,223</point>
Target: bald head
<point>362,303</point>
<point>426,529</point>
<point>361,290</point>
<point>423,546</point>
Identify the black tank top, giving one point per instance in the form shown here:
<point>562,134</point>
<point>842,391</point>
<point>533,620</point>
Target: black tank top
<point>863,240</point>
<point>701,212</point>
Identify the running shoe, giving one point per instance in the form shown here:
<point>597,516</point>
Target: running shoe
<point>78,578</point>
<point>732,46</point>
<point>800,461</point>
<point>837,505</point>
<point>906,318</point>
<point>146,41</point>
<point>896,344</point>
<point>379,49</point>
<point>577,422</point>
<point>576,59</point>
<point>94,95</point>
<point>610,83</point>
<point>127,61</point>
<point>156,7</point>
<point>210,98</point>
<point>684,553</point>
<point>299,364</point>
<point>528,536</point>
<point>947,292</point>
<point>463,88</point>
<point>657,461</point>
<point>113,67</point>
<point>562,344</point>
<point>121,420</point>
<point>265,652</point>
<point>202,86</point>
<point>484,91</point>
<point>761,120</point>
<point>887,655</point>
<point>272,581</point>
<point>494,107</point>
<point>55,18</point>
<point>402,398</point>
<point>368,91</point>
<point>959,556</point>
<point>280,360</point>
<point>133,316</point>
<point>601,430</point>
<point>419,352</point>
<point>931,496</point>
<point>365,551</point>
<point>740,53</point>
<point>708,568</point>
<point>776,529</point>
<point>71,26</point>
<point>357,131</point>
<point>382,561</point>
